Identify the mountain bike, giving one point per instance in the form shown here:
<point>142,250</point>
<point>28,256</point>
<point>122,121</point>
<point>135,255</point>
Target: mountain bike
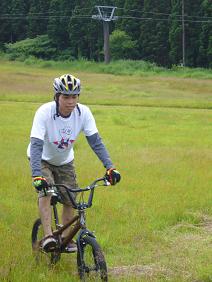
<point>90,258</point>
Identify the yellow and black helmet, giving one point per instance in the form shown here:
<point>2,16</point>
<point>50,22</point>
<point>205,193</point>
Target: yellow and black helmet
<point>67,84</point>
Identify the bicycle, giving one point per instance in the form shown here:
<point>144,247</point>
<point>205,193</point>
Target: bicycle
<point>90,257</point>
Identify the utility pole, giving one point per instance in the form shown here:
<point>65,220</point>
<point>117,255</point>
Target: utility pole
<point>105,14</point>
<point>183,32</point>
<point>106,42</point>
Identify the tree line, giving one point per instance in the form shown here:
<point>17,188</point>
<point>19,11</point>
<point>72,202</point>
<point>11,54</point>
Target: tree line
<point>141,30</point>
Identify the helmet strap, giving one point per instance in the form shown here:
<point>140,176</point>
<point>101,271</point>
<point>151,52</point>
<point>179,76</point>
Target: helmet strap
<point>56,97</point>
<point>78,110</point>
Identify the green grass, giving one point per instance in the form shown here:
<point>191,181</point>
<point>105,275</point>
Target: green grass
<point>119,67</point>
<point>156,224</point>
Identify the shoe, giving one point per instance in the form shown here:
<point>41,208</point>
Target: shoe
<point>49,244</point>
<point>71,247</point>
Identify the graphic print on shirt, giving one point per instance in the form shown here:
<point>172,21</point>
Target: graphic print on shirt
<point>65,139</point>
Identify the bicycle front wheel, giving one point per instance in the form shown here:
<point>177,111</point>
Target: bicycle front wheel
<point>91,261</point>
<point>40,255</point>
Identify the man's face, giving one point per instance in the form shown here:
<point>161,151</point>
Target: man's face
<point>67,103</point>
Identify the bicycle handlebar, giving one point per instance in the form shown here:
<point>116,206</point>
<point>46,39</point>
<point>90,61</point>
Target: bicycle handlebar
<point>88,188</point>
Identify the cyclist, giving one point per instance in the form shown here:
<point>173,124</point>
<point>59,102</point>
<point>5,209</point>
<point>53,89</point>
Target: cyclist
<point>55,128</point>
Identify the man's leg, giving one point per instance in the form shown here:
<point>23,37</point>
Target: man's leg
<point>45,214</point>
<point>67,215</point>
<point>49,243</point>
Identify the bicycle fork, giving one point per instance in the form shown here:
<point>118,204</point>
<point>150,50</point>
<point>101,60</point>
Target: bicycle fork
<point>84,232</point>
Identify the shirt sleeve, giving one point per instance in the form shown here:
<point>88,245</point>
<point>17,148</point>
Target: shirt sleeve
<point>98,147</point>
<point>38,126</point>
<point>36,149</point>
<point>89,125</point>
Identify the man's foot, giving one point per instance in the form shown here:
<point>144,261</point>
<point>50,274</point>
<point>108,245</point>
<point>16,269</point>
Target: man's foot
<point>49,243</point>
<point>71,247</point>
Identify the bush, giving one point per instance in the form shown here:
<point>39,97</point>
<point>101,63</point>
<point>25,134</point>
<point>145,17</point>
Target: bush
<point>65,55</point>
<point>40,47</point>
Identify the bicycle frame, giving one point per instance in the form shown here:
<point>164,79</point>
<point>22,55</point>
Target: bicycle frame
<point>79,220</point>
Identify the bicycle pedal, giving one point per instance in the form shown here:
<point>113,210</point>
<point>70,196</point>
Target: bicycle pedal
<point>69,249</point>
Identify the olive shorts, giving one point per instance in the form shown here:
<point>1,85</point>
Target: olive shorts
<point>64,174</point>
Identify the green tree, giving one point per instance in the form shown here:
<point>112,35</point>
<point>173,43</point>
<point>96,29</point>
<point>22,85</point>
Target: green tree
<point>86,33</point>
<point>19,24</point>
<point>175,33</point>
<point>209,52</point>
<point>38,17</point>
<point>122,46</point>
<point>131,26</point>
<point>5,22</point>
<point>192,32</point>
<point>60,14</point>
<point>205,36</point>
<point>153,40</point>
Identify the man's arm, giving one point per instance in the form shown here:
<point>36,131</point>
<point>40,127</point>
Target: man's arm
<point>98,147</point>
<point>36,149</point>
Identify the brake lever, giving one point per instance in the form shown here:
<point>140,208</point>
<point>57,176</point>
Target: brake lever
<point>106,182</point>
<point>50,190</point>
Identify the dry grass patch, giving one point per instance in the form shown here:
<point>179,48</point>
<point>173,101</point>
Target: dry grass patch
<point>25,83</point>
<point>181,256</point>
<point>133,272</point>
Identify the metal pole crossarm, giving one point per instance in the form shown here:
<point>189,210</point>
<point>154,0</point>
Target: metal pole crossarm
<point>106,13</point>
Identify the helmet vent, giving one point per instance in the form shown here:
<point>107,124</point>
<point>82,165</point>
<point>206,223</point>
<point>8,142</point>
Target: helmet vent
<point>61,88</point>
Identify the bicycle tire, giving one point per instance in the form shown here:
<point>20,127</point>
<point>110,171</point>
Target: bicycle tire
<point>91,260</point>
<point>36,236</point>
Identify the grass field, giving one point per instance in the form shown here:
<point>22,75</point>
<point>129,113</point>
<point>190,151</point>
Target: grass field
<point>156,225</point>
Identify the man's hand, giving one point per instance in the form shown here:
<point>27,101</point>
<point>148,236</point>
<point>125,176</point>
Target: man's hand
<point>39,182</point>
<point>113,176</point>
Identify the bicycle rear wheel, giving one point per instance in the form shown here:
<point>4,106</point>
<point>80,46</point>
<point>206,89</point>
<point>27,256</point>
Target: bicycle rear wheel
<point>37,236</point>
<point>90,260</point>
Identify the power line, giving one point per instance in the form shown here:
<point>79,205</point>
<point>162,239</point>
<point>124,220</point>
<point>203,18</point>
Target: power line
<point>49,12</point>
<point>167,19</point>
<point>46,14</point>
<point>44,17</point>
<point>164,14</point>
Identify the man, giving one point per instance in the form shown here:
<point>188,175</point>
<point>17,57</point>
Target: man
<point>55,129</point>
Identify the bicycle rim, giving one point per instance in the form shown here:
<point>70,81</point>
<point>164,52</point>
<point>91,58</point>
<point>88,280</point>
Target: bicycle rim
<point>91,263</point>
<point>41,256</point>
